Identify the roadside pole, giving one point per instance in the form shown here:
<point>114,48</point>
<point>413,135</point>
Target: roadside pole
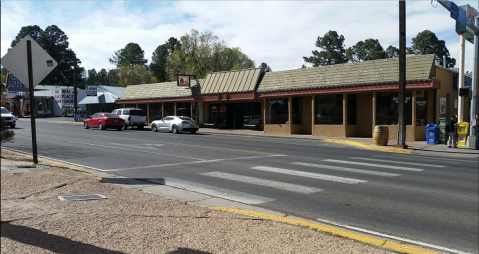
<point>32,101</point>
<point>402,76</point>
<point>460,101</point>
<point>75,114</point>
<point>474,85</point>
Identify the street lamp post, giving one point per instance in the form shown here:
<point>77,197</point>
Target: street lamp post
<point>75,89</point>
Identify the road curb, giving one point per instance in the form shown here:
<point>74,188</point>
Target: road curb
<point>60,164</point>
<point>369,147</point>
<point>327,229</point>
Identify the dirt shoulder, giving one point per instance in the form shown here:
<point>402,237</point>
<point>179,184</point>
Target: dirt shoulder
<point>35,220</point>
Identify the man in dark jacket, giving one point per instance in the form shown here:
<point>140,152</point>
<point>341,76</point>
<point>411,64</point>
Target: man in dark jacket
<point>451,128</point>
<point>476,131</point>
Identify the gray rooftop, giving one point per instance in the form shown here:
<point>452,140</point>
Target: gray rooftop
<point>157,90</point>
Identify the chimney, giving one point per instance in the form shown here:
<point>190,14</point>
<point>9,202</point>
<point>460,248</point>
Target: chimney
<point>444,62</point>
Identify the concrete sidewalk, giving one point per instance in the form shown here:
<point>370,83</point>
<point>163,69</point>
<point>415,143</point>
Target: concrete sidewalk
<point>414,147</point>
<point>136,217</point>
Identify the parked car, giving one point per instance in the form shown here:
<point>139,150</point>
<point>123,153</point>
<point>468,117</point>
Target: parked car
<point>175,124</point>
<point>104,120</point>
<point>69,110</point>
<point>8,117</point>
<point>132,117</point>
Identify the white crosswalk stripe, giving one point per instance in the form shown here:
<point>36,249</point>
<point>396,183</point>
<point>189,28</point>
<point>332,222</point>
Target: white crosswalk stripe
<point>354,170</point>
<point>399,162</point>
<point>373,165</point>
<point>310,175</point>
<point>238,196</point>
<point>263,182</point>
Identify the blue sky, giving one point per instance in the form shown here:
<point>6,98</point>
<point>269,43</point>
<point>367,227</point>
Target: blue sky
<point>279,33</point>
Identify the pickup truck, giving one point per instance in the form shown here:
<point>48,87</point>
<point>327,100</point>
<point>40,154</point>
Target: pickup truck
<point>132,116</point>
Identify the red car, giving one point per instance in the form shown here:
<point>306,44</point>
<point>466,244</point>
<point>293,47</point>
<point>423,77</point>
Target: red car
<point>103,121</point>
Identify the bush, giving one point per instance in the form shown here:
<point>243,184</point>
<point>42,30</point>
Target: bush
<point>6,135</point>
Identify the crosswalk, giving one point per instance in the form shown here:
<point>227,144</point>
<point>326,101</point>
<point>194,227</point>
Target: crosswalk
<point>323,171</point>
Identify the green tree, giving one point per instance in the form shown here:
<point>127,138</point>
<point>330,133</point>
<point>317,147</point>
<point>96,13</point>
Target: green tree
<point>426,42</point>
<point>367,50</point>
<point>102,78</point>
<point>265,67</point>
<point>158,62</point>
<point>133,75</point>
<point>34,32</point>
<point>132,54</point>
<point>113,77</point>
<point>92,77</point>
<point>200,53</point>
<point>392,52</point>
<point>333,52</point>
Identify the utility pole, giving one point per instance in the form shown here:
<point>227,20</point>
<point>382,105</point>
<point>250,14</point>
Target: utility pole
<point>460,101</point>
<point>75,88</point>
<point>474,85</point>
<point>402,76</point>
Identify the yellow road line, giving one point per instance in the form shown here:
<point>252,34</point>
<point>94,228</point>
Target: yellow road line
<point>369,147</point>
<point>342,233</point>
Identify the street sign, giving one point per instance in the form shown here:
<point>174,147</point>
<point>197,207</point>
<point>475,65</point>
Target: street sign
<point>462,16</point>
<point>16,61</point>
<point>454,11</point>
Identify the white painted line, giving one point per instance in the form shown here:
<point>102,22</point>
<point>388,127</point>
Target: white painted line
<point>310,175</point>
<point>263,182</point>
<point>428,158</point>
<point>194,162</point>
<point>397,238</point>
<point>214,191</point>
<point>373,165</point>
<point>354,170</point>
<point>399,162</point>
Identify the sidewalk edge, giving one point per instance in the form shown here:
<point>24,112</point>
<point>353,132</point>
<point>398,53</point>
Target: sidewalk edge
<point>341,233</point>
<point>369,147</point>
<point>61,164</point>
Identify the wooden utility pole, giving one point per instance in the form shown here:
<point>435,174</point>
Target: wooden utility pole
<point>402,75</point>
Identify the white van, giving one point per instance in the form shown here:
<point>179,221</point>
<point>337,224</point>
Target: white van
<point>132,116</point>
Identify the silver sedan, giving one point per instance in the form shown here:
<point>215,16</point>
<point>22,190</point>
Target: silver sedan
<point>175,124</point>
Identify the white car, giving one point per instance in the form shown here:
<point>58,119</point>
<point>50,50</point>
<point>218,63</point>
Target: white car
<point>8,117</point>
<point>175,124</point>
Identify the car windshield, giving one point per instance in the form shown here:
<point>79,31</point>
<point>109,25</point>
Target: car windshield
<point>5,111</point>
<point>136,112</point>
<point>112,115</point>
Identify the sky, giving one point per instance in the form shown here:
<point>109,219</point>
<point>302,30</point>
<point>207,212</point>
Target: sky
<point>278,33</point>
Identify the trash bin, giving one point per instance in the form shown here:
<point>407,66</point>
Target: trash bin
<point>381,135</point>
<point>431,133</point>
<point>462,132</point>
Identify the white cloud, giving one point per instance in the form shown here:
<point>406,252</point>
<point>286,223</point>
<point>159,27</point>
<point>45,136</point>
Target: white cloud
<point>279,33</point>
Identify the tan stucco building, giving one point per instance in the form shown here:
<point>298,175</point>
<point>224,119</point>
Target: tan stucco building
<point>343,100</point>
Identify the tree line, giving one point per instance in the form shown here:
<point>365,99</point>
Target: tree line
<point>333,50</point>
<point>198,53</point>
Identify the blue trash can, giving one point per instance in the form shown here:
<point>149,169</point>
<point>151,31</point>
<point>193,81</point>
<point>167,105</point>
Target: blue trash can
<point>431,133</point>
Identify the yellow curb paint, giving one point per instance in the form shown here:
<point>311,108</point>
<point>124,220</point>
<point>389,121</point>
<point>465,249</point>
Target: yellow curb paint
<point>331,230</point>
<point>369,147</point>
<point>56,163</point>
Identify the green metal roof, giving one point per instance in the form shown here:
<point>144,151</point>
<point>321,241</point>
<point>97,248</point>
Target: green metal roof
<point>157,91</point>
<point>231,81</point>
<point>418,67</point>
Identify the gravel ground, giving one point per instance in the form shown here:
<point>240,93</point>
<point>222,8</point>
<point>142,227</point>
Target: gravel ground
<point>34,220</point>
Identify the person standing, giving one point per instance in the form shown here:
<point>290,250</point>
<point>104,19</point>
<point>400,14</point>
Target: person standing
<point>451,128</point>
<point>476,131</point>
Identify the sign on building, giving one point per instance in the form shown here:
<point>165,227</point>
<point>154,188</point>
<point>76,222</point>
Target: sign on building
<point>14,86</point>
<point>64,96</point>
<point>91,90</point>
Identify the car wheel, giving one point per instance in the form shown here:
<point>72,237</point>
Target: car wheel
<point>100,126</point>
<point>85,125</point>
<point>154,128</point>
<point>64,115</point>
<point>174,129</point>
<point>193,132</point>
<point>140,127</point>
<point>125,126</point>
<point>12,126</point>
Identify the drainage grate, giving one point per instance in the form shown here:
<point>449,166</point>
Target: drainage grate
<point>81,197</point>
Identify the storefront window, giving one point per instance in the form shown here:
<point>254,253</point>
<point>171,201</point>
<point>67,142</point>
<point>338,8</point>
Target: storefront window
<point>297,110</point>
<point>387,106</point>
<point>421,108</point>
<point>155,112</point>
<point>277,111</point>
<point>169,109</point>
<point>214,110</point>
<point>352,115</point>
<point>329,109</point>
<point>183,109</point>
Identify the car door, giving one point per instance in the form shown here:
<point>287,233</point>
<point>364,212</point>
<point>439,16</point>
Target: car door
<point>95,119</point>
<point>165,124</point>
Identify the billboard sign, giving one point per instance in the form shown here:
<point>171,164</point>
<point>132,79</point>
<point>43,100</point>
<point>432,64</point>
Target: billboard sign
<point>183,80</point>
<point>91,90</point>
<point>14,86</point>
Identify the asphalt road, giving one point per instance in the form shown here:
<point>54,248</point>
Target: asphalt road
<point>431,200</point>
